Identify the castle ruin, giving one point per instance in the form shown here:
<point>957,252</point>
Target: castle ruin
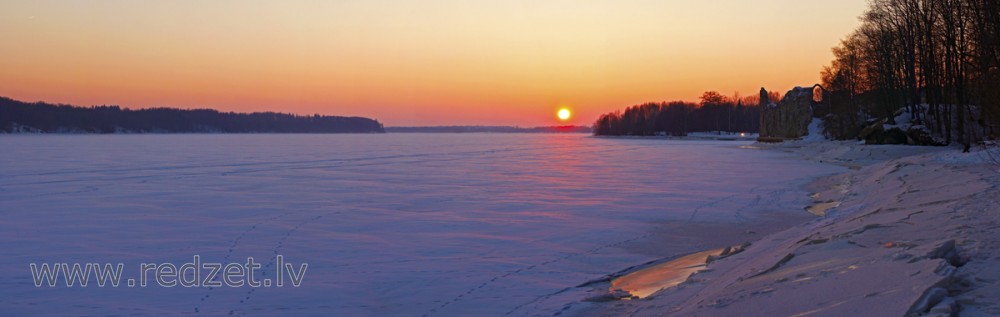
<point>789,118</point>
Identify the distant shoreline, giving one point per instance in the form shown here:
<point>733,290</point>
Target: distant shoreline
<point>699,136</point>
<point>73,132</point>
<point>39,117</point>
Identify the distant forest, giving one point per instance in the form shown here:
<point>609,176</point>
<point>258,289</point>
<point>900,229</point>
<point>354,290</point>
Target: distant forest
<point>937,59</point>
<point>715,113</point>
<point>17,116</point>
<point>488,129</point>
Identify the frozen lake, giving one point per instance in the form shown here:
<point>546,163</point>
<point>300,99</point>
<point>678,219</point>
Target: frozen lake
<point>390,225</point>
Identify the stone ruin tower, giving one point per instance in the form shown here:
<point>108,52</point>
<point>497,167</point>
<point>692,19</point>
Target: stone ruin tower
<point>789,118</point>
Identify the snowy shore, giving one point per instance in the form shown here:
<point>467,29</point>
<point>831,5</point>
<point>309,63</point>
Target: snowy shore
<point>907,231</point>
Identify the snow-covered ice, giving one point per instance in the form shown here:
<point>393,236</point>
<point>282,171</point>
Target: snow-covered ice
<point>390,225</point>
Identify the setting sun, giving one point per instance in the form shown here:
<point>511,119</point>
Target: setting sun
<point>563,114</point>
<point>500,157</point>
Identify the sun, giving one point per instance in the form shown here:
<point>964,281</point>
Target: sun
<point>563,114</point>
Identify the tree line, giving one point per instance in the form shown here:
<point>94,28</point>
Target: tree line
<point>17,116</point>
<point>938,60</point>
<point>715,112</point>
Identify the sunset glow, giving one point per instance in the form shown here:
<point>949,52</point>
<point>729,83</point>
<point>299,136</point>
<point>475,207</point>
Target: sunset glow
<point>563,114</point>
<point>413,62</point>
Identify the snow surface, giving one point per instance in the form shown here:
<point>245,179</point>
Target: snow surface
<point>913,233</point>
<point>815,131</point>
<point>391,225</point>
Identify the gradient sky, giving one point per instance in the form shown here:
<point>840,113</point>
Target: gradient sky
<point>421,62</point>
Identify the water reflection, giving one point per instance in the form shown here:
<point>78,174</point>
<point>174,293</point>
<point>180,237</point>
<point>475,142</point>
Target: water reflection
<point>648,281</point>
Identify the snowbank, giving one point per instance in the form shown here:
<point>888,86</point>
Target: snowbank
<point>912,231</point>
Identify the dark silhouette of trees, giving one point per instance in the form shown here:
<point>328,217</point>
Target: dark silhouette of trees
<point>937,59</point>
<point>17,116</point>
<point>715,113</point>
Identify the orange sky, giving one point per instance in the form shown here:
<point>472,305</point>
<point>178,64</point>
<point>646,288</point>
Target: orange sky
<point>424,62</point>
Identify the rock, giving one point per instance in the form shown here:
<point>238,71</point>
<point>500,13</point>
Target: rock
<point>919,135</point>
<point>873,134</point>
<point>877,134</point>
<point>895,136</point>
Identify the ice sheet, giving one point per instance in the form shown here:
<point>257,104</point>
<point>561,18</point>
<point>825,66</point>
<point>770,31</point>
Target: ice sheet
<point>391,225</point>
